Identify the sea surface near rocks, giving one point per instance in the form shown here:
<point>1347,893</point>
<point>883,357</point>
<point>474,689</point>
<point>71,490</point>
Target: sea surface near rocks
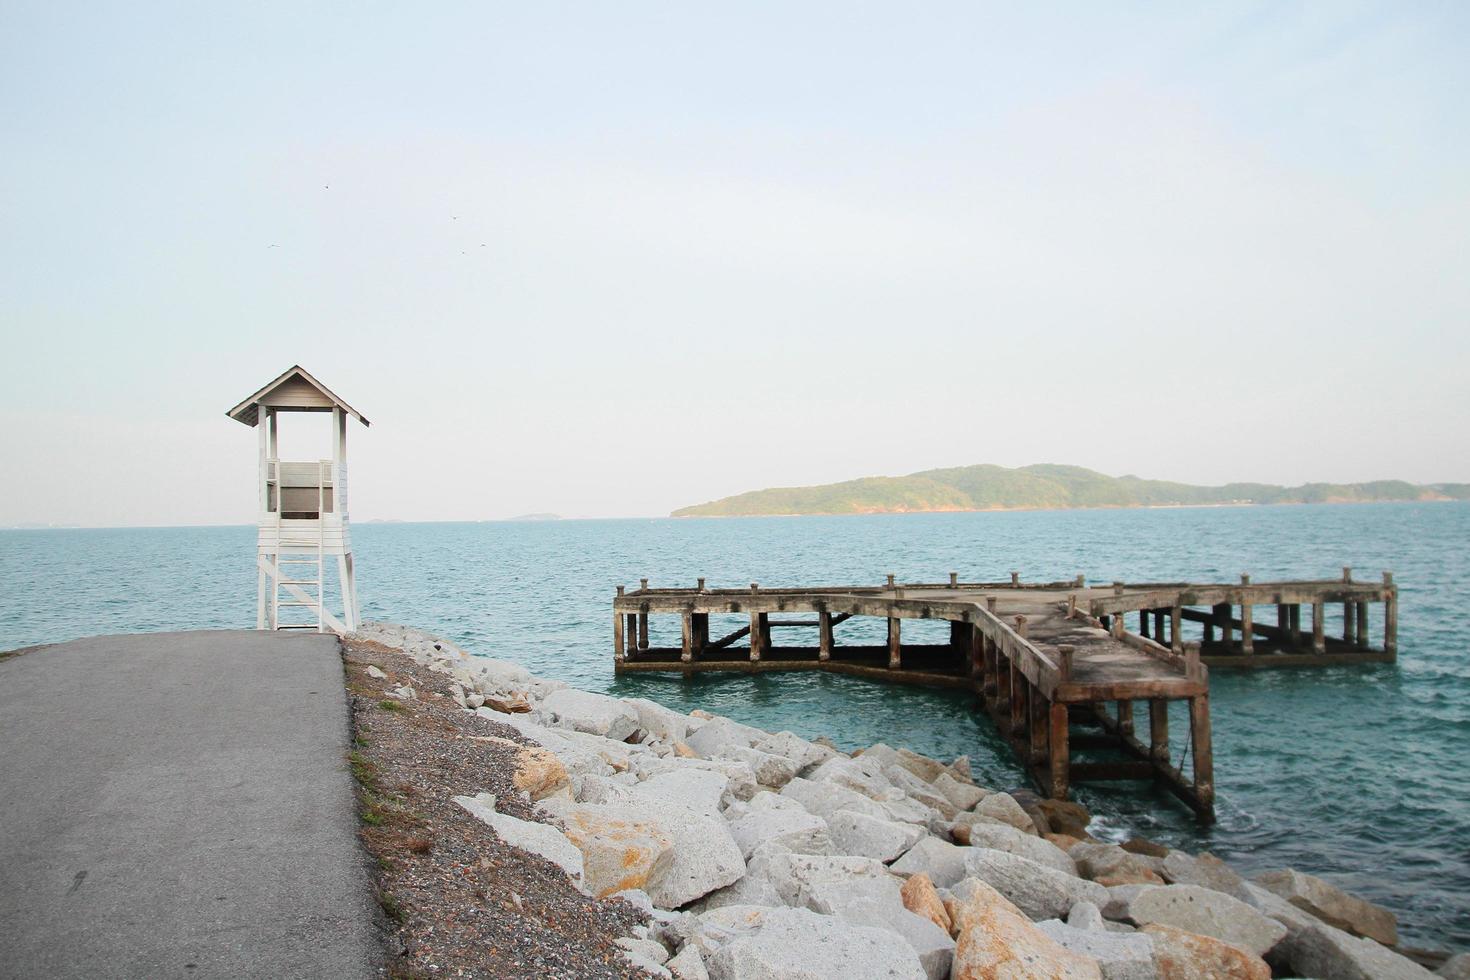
<point>1352,773</point>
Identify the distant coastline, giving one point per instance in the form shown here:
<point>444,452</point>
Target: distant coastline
<point>987,488</point>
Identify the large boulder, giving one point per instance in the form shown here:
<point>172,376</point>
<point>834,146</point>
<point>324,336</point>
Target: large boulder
<point>1003,837</point>
<point>702,790</point>
<point>788,828</point>
<point>1120,956</point>
<point>1109,864</point>
<point>704,857</point>
<point>578,760</point>
<point>806,755</point>
<point>1202,911</point>
<point>659,723</point>
<point>1204,870</point>
<point>860,834</point>
<point>1457,967</point>
<point>922,766</point>
<point>617,853</point>
<point>859,775</point>
<point>796,875</point>
<point>1332,905</point>
<point>1065,817</point>
<point>916,789</point>
<point>1004,808</point>
<point>877,902</point>
<point>825,798</point>
<point>797,943</point>
<point>942,861</point>
<point>595,714</point>
<point>1312,948</point>
<point>770,770</point>
<point>1183,955</point>
<point>995,940</point>
<point>963,795</point>
<point>715,737</point>
<point>538,838</point>
<point>688,965</point>
<point>1037,890</point>
<point>742,784</point>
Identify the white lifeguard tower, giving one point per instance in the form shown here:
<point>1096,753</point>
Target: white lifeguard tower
<point>303,510</point>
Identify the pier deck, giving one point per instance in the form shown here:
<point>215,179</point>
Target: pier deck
<point>1042,658</point>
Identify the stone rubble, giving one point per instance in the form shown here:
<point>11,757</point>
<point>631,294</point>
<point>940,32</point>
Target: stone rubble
<point>759,855</point>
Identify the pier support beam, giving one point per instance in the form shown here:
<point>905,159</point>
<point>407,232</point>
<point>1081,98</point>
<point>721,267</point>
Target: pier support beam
<point>1362,631</point>
<point>1319,627</point>
<point>1390,617</point>
<point>759,635</point>
<point>619,649</point>
<point>895,643</point>
<point>1204,753</point>
<point>686,650</point>
<point>824,635</point>
<point>643,629</point>
<point>1158,730</point>
<point>1176,639</point>
<point>1125,717</point>
<point>1058,751</point>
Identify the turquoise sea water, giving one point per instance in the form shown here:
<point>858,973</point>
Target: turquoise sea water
<point>1354,773</point>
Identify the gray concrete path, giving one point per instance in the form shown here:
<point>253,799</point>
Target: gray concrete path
<point>179,805</point>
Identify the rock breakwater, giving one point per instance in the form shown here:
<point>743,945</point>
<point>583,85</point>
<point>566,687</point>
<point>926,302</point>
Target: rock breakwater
<point>753,855</point>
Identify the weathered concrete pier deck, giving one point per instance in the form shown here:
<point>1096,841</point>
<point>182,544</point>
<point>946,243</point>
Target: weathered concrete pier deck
<point>1042,657</point>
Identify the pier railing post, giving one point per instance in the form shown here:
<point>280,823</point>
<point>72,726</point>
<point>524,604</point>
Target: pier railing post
<point>1015,580</point>
<point>1064,653</point>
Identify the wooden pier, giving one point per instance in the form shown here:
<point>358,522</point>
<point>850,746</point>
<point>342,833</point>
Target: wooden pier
<point>1054,664</point>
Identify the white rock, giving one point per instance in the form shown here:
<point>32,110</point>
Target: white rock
<point>1312,948</point>
<point>376,674</point>
<point>1086,915</point>
<point>645,948</point>
<point>595,714</point>
<point>770,770</point>
<point>860,834</point>
<point>858,775</point>
<point>826,798</point>
<point>1003,807</point>
<point>789,828</point>
<point>942,861</point>
<point>906,810</point>
<point>702,790</point>
<point>795,875</point>
<point>742,784</point>
<point>920,791</point>
<point>797,943</point>
<point>1037,890</point>
<point>714,737</point>
<point>1120,956</point>
<point>538,838</point>
<point>704,855</point>
<point>688,965</point>
<point>962,795</point>
<point>877,902</point>
<point>806,755</point>
<point>1003,837</point>
<point>662,724</point>
<point>1206,912</point>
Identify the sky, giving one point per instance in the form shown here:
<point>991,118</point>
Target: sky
<point>612,259</point>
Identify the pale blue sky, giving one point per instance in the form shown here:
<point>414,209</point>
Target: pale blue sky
<point>609,259</point>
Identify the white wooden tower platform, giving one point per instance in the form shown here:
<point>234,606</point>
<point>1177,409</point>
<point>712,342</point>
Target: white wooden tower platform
<point>302,520</point>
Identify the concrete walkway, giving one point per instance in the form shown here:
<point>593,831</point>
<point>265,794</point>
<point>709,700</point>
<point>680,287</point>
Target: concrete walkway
<point>179,805</point>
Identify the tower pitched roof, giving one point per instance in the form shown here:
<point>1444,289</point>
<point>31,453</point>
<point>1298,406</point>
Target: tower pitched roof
<point>294,391</point>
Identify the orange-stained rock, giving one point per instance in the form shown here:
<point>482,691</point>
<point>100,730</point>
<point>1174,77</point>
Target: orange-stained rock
<point>537,771</point>
<point>617,854</point>
<point>512,704</point>
<point>683,751</point>
<point>1064,841</point>
<point>920,898</point>
<point>1133,876</point>
<point>1181,955</point>
<point>994,941</point>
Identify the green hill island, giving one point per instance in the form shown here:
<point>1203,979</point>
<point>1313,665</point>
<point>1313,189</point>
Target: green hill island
<point>1044,487</point>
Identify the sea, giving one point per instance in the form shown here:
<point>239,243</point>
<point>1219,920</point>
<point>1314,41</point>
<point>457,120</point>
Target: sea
<point>1357,774</point>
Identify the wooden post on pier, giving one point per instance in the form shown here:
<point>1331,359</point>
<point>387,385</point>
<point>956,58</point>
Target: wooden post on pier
<point>1390,616</point>
<point>1204,752</point>
<point>619,649</point>
<point>1159,636</point>
<point>1349,619</point>
<point>1247,615</point>
<point>1222,620</point>
<point>1296,623</point>
<point>1125,717</point>
<point>1176,638</point>
<point>824,635</point>
<point>1319,627</point>
<point>1158,730</point>
<point>1039,717</point>
<point>758,630</point>
<point>895,645</point>
<point>1143,623</point>
<point>686,651</point>
<point>1362,632</point>
<point>1059,751</point>
<point>977,656</point>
